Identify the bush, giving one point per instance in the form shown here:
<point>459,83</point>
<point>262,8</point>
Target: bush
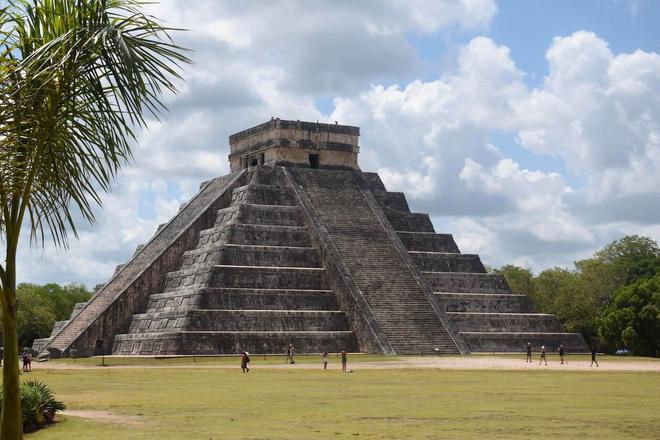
<point>38,405</point>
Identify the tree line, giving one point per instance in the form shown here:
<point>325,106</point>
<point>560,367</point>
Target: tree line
<point>612,298</point>
<point>41,306</point>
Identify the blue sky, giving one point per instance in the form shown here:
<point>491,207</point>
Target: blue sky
<point>528,129</point>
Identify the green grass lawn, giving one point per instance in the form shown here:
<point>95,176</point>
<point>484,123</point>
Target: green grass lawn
<point>212,403</point>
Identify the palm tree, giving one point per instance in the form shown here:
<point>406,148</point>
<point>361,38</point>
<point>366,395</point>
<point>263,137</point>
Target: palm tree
<point>77,78</point>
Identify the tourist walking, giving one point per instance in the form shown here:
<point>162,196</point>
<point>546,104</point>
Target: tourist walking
<point>344,358</point>
<point>543,355</point>
<point>529,352</point>
<point>562,352</point>
<point>593,357</point>
<point>324,359</point>
<point>289,354</point>
<point>245,360</point>
<point>25,361</point>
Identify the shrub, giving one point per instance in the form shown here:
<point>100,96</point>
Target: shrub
<point>38,405</point>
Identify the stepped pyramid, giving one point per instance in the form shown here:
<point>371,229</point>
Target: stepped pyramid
<point>298,246</point>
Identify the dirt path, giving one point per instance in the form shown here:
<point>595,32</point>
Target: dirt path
<point>104,416</point>
<point>443,363</point>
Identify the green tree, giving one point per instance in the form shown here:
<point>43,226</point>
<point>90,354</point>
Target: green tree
<point>633,318</point>
<point>520,280</point>
<point>77,77</point>
<point>41,306</point>
<point>35,316</point>
<point>631,258</point>
<point>561,292</point>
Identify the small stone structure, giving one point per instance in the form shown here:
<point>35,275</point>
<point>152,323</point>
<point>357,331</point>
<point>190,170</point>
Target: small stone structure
<point>297,245</point>
<point>295,143</point>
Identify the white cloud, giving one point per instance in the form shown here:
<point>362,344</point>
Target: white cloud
<point>598,112</point>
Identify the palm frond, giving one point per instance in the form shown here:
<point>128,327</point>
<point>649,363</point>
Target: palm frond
<point>77,78</point>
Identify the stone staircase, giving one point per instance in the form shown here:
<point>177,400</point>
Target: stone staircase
<point>481,306</point>
<point>254,282</point>
<point>386,281</point>
<point>39,344</point>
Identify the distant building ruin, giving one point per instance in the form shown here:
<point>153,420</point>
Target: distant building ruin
<point>297,245</point>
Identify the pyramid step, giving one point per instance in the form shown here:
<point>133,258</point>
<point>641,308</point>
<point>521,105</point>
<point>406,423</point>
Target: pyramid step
<point>428,241</point>
<point>391,200</point>
<point>252,255</point>
<point>517,341</point>
<point>197,342</point>
<point>239,320</point>
<point>267,235</point>
<point>255,277</point>
<point>244,299</point>
<point>466,282</point>
<point>260,215</point>
<point>408,221</point>
<point>485,302</point>
<point>447,262</point>
<point>270,277</point>
<point>505,322</point>
<point>260,194</point>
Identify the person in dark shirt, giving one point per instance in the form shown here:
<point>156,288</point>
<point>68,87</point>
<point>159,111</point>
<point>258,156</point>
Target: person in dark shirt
<point>529,353</point>
<point>289,354</point>
<point>593,357</point>
<point>25,361</point>
<point>562,352</point>
<point>344,359</point>
<point>245,360</point>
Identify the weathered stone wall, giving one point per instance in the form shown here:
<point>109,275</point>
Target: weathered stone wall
<point>485,302</point>
<point>281,142</point>
<point>428,242</point>
<point>233,295</point>
<point>169,343</point>
<point>111,309</point>
<point>517,341</point>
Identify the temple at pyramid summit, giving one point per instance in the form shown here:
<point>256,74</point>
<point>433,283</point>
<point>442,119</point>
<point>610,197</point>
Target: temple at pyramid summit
<point>298,246</point>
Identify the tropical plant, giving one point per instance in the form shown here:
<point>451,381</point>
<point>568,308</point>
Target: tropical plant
<point>633,318</point>
<point>77,78</point>
<point>38,405</point>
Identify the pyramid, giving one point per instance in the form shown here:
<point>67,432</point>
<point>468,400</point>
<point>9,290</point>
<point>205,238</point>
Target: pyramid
<point>298,246</point>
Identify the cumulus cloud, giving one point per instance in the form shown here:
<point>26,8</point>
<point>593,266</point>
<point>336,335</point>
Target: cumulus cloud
<point>595,111</point>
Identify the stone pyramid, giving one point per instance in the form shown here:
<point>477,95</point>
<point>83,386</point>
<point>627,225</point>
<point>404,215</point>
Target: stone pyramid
<point>298,246</point>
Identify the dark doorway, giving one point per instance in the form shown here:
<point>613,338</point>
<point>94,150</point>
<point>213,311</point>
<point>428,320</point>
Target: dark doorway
<point>99,348</point>
<point>253,162</point>
<point>313,160</point>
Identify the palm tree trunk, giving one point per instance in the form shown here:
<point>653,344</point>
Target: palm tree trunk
<point>11,424</point>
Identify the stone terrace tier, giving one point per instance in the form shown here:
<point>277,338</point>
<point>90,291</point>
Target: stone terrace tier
<point>479,305</point>
<point>254,282</point>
